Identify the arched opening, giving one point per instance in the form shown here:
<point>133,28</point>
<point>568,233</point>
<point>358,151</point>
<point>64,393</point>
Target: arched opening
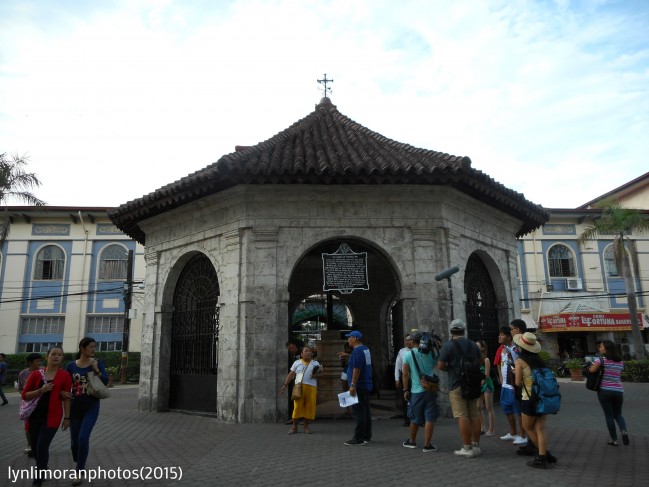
<point>195,337</point>
<point>481,303</point>
<point>335,311</point>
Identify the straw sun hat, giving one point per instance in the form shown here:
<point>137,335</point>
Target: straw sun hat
<point>528,341</point>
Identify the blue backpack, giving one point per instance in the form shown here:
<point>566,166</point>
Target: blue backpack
<point>545,391</point>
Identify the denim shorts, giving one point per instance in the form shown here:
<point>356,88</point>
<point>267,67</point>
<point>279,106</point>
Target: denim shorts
<point>422,408</point>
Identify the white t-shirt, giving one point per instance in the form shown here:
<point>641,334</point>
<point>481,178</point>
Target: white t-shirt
<point>300,367</point>
<point>505,360</point>
<point>398,364</point>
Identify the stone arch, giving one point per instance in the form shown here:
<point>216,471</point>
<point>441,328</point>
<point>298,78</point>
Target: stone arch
<point>485,291</point>
<point>370,308</point>
<point>189,334</point>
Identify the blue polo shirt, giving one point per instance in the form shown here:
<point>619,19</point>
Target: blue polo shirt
<point>361,359</point>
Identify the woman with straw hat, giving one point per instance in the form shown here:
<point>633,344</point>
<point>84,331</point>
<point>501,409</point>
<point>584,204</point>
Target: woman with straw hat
<point>533,422</point>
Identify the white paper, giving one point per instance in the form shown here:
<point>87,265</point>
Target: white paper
<point>346,399</point>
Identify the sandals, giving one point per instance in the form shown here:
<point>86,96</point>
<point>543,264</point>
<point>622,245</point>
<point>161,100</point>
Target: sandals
<point>292,431</point>
<point>612,443</point>
<point>308,431</point>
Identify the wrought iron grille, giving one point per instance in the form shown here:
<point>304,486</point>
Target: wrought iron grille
<point>195,323</point>
<point>481,310</point>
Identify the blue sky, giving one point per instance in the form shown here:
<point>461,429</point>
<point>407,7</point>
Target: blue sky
<point>114,99</point>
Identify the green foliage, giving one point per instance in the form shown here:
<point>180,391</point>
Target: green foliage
<point>636,371</point>
<point>574,363</point>
<point>545,356</point>
<point>18,362</point>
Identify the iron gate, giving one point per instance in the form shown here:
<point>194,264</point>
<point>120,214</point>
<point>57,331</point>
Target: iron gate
<point>195,338</point>
<point>481,310</point>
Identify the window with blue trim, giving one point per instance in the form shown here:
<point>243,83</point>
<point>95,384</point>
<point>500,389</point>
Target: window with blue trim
<point>609,262</point>
<point>113,263</point>
<point>50,263</point>
<point>561,262</point>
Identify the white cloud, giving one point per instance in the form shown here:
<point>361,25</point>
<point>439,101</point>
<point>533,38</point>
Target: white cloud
<point>113,100</point>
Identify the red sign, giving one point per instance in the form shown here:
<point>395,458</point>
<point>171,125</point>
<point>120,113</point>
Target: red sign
<point>587,322</point>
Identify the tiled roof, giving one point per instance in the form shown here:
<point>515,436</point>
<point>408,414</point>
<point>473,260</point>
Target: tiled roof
<point>326,147</point>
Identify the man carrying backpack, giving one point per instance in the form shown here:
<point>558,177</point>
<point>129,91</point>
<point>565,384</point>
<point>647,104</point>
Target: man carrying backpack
<point>455,357</point>
<point>419,364</point>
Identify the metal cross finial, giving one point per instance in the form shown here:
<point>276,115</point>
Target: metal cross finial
<point>324,82</point>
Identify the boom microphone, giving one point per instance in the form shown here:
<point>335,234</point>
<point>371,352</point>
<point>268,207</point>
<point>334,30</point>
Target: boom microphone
<point>447,273</point>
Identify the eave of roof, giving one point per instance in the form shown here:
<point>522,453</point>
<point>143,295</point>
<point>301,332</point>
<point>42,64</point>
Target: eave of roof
<point>326,147</point>
<point>638,182</point>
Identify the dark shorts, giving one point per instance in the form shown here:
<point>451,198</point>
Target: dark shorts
<point>422,408</point>
<point>528,408</point>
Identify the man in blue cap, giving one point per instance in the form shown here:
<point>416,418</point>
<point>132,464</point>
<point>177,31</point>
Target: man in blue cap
<point>359,372</point>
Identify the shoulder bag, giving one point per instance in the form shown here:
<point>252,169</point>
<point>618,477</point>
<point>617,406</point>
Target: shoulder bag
<point>95,387</point>
<point>297,387</point>
<point>594,379</point>
<point>430,383</point>
<point>27,406</point>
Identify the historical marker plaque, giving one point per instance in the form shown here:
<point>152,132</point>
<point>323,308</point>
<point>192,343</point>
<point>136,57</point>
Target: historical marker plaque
<point>345,270</point>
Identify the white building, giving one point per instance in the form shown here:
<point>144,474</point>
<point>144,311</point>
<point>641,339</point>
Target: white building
<point>63,272</point>
<point>574,292</point>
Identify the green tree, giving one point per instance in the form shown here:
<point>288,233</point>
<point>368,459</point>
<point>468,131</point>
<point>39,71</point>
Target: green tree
<point>15,183</point>
<point>619,221</point>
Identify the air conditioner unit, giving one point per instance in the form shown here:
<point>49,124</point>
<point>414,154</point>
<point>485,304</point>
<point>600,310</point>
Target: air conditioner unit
<point>573,284</point>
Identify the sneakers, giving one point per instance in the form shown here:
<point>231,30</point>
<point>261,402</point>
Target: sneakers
<point>625,437</point>
<point>538,462</point>
<point>476,450</point>
<point>429,448</point>
<point>490,433</point>
<point>465,451</point>
<point>354,442</point>
<point>520,441</point>
<point>409,444</point>
<point>509,437</point>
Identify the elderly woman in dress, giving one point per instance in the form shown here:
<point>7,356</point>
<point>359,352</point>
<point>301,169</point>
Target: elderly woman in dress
<point>304,371</point>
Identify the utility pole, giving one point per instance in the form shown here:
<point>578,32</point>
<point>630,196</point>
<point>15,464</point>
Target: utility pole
<point>128,298</point>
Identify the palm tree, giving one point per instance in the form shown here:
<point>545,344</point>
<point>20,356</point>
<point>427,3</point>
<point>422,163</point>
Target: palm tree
<point>15,183</point>
<point>619,221</point>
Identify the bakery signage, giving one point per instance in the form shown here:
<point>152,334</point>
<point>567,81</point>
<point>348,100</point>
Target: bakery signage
<point>587,322</point>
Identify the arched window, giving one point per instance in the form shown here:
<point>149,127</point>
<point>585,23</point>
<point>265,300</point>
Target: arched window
<point>50,263</point>
<point>609,262</point>
<point>561,261</point>
<point>113,263</point>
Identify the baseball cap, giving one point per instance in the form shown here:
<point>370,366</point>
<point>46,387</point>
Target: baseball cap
<point>355,334</point>
<point>458,325</point>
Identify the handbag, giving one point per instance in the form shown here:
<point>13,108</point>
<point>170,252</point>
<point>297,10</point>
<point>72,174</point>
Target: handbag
<point>297,387</point>
<point>430,383</point>
<point>95,387</point>
<point>594,379</point>
<point>27,406</point>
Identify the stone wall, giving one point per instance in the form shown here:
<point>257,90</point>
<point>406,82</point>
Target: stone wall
<point>256,235</point>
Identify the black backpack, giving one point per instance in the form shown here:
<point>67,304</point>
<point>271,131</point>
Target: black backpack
<point>470,376</point>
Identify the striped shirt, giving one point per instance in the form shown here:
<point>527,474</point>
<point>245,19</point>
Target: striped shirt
<point>612,380</point>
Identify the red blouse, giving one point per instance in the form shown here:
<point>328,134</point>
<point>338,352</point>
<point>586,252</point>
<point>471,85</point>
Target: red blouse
<point>62,382</point>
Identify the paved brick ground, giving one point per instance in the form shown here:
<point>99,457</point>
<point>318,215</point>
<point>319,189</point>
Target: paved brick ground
<point>222,454</point>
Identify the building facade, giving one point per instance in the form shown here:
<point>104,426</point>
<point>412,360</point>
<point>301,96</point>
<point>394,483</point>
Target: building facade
<point>63,272</point>
<point>237,252</point>
<point>573,292</point>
